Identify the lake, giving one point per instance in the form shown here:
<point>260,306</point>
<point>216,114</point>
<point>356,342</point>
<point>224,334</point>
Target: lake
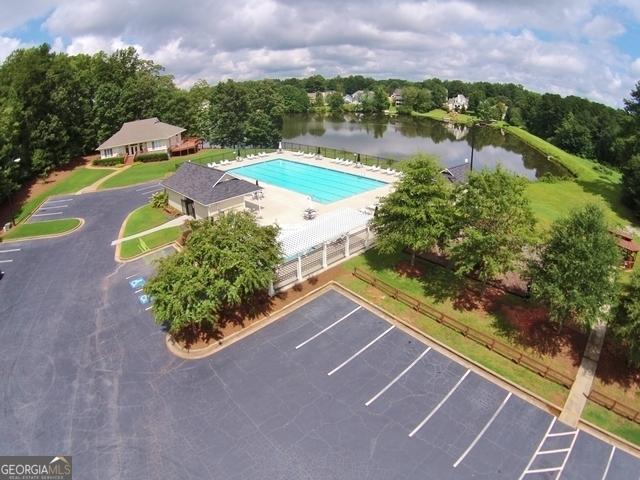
<point>401,136</point>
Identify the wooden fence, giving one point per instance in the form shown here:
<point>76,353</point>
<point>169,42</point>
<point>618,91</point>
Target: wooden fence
<point>495,345</point>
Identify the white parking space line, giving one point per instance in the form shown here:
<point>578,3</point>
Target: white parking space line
<point>46,214</point>
<point>361,350</point>
<point>147,187</point>
<point>10,250</point>
<point>329,327</point>
<point>138,291</point>
<point>58,201</point>
<point>375,397</point>
<point>566,458</point>
<point>148,308</point>
<point>535,454</point>
<point>437,407</point>
<point>561,434</point>
<point>131,276</point>
<point>606,470</point>
<point>6,261</point>
<point>53,206</point>
<point>473,444</point>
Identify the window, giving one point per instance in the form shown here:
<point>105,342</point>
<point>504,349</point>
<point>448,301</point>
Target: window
<point>107,152</point>
<point>156,144</point>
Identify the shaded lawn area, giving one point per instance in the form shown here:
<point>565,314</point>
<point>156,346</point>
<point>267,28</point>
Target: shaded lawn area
<point>77,180</point>
<point>38,229</point>
<point>144,218</point>
<point>508,318</point>
<point>145,172</point>
<point>138,246</point>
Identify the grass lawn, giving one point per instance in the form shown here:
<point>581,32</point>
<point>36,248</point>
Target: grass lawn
<point>38,229</point>
<point>611,422</point>
<point>142,219</point>
<point>146,172</point>
<point>594,183</point>
<point>77,180</point>
<point>137,246</point>
<point>438,291</point>
<point>441,115</point>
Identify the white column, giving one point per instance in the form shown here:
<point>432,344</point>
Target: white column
<point>299,269</point>
<point>272,291</point>
<point>324,255</point>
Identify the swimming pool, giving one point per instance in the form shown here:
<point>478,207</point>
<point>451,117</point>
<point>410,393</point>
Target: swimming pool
<point>323,185</point>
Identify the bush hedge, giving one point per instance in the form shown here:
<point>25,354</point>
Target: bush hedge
<point>152,157</point>
<point>108,162</point>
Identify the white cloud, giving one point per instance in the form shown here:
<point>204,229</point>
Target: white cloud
<point>7,45</point>
<point>415,39</point>
<point>635,66</point>
<point>600,28</point>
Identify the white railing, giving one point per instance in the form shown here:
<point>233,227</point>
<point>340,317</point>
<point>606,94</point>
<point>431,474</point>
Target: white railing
<point>321,257</point>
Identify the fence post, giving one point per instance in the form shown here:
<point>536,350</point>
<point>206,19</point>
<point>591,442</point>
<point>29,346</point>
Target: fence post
<point>324,255</point>
<point>346,246</point>
<point>299,272</point>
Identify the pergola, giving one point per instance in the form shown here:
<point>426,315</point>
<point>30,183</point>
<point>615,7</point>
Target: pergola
<point>628,247</point>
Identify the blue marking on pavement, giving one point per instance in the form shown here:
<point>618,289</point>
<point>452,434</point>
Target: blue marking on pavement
<point>143,299</point>
<point>137,283</point>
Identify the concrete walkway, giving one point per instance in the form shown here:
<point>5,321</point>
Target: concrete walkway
<point>176,222</point>
<point>581,387</point>
<point>94,186</point>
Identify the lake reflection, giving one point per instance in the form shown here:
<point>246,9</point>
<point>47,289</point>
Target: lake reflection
<point>402,136</point>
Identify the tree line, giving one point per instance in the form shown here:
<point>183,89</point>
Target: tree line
<point>56,107</point>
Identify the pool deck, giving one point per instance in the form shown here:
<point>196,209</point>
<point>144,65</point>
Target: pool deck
<point>286,207</point>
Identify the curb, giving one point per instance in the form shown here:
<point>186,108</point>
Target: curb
<point>52,235</point>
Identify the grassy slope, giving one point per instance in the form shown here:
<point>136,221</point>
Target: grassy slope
<point>611,422</point>
<point>41,228</point>
<point>77,180</point>
<point>593,184</point>
<point>146,172</point>
<point>142,219</point>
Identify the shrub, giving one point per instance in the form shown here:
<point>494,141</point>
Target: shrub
<point>152,157</point>
<point>159,199</point>
<point>108,162</point>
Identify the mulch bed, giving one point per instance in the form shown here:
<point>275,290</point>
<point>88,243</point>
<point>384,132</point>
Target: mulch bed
<point>263,306</point>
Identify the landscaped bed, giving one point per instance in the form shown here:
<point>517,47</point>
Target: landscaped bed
<point>40,229</point>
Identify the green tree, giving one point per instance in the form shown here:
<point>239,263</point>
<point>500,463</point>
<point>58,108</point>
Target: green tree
<point>494,222</point>
<point>631,184</point>
<point>626,323</point>
<point>417,213</point>
<point>380,101</point>
<point>573,136</point>
<point>229,111</point>
<point>318,103</point>
<point>224,264</point>
<point>574,272</point>
<point>295,99</point>
<point>335,101</point>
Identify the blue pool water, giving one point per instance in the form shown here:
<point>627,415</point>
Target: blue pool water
<point>323,185</point>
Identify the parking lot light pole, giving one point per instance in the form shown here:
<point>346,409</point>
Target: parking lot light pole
<point>13,204</point>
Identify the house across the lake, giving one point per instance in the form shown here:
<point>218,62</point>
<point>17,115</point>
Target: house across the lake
<point>204,192</point>
<point>142,136</point>
<point>458,103</point>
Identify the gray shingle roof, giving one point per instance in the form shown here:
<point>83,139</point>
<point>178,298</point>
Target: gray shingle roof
<point>457,173</point>
<point>207,185</point>
<point>141,131</point>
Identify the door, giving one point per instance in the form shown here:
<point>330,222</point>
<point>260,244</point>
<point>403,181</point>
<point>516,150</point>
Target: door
<point>188,207</point>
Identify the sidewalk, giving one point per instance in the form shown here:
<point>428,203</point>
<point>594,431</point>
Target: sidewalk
<point>581,387</point>
<point>176,222</point>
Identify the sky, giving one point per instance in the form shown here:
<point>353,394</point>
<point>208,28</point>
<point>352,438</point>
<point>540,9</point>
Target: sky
<point>572,47</point>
